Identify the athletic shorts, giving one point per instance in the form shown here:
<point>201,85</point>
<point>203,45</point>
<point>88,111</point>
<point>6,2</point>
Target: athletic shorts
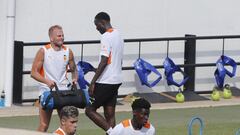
<point>105,95</point>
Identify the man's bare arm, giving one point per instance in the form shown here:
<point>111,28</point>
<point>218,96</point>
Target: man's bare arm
<point>73,67</point>
<point>102,65</point>
<point>36,67</point>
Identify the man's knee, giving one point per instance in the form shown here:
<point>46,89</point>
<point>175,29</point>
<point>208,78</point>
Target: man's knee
<point>89,111</point>
<point>109,112</point>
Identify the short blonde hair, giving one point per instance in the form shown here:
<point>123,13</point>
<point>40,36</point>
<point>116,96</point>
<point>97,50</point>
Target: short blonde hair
<point>52,28</point>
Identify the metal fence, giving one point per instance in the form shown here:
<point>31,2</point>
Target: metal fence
<point>189,59</point>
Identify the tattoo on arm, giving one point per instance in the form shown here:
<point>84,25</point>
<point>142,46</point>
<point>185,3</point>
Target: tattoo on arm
<point>72,65</point>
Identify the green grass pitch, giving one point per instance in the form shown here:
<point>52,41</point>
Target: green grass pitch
<point>217,121</point>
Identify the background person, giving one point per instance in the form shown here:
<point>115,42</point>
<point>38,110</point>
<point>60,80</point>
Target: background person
<point>68,121</point>
<point>108,77</point>
<point>50,67</point>
<point>139,124</point>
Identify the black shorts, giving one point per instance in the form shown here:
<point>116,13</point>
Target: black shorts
<point>105,95</point>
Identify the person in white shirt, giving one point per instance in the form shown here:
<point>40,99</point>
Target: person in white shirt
<point>50,68</point>
<point>108,76</point>
<point>139,124</point>
<point>68,121</point>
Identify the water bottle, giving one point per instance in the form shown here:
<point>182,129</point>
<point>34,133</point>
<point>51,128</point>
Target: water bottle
<point>2,99</point>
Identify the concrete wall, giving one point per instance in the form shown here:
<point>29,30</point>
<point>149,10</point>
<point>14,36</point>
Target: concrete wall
<point>135,19</point>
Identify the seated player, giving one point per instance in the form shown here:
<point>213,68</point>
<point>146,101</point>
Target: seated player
<point>139,124</point>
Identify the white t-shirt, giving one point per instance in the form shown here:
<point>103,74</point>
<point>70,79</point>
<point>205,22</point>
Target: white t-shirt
<point>126,128</point>
<point>112,47</point>
<point>55,67</point>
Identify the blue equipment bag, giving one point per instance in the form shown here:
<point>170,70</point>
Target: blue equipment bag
<point>221,72</point>
<point>57,99</point>
<point>170,69</point>
<point>83,68</point>
<point>143,69</point>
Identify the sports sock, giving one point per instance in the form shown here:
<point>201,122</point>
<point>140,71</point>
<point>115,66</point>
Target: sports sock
<point>109,130</point>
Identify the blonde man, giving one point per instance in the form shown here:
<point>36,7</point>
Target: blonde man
<point>50,67</point>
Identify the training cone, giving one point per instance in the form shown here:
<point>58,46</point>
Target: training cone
<point>180,97</point>
<point>227,93</point>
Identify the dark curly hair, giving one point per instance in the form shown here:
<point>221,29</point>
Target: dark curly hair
<point>140,103</point>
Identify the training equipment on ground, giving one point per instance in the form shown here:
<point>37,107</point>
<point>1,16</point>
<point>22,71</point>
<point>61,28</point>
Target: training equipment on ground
<point>57,99</point>
<point>170,69</point>
<point>215,96</point>
<point>221,71</point>
<point>227,93</point>
<point>180,97</point>
<point>191,124</point>
<point>144,69</point>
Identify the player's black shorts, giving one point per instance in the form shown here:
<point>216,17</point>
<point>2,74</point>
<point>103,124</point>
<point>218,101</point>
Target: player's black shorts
<point>105,94</point>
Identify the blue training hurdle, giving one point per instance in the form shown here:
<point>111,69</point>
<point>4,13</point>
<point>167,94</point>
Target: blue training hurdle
<point>191,123</point>
<point>238,132</point>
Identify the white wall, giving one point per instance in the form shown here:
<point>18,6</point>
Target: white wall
<point>135,19</point>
